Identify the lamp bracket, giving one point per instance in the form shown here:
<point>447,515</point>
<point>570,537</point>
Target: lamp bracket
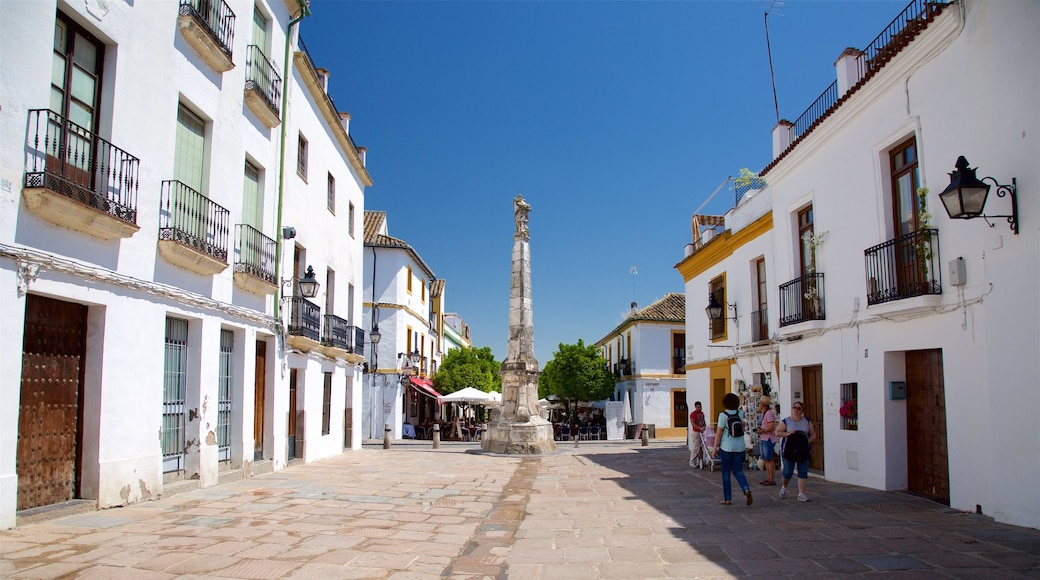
<point>1010,190</point>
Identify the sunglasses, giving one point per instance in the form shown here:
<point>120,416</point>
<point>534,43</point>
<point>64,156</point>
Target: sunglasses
<point>797,408</point>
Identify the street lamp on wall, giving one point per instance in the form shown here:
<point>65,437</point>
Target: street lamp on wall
<point>716,311</point>
<point>965,197</point>
<point>308,285</point>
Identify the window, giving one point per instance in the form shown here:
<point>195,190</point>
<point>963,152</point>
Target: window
<point>76,74</point>
<point>326,406</point>
<point>260,31</point>
<point>224,382</point>
<point>905,179</point>
<point>175,378</point>
<point>301,157</point>
<point>189,150</point>
<point>350,220</point>
<point>422,289</point>
<point>849,409</point>
<point>408,284</point>
<point>332,194</point>
<point>760,318</point>
<point>806,252</point>
<point>252,201</point>
<point>718,327</point>
<point>679,353</point>
<point>350,304</point>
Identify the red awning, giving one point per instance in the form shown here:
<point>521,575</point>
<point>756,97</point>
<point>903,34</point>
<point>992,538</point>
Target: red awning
<point>424,386</point>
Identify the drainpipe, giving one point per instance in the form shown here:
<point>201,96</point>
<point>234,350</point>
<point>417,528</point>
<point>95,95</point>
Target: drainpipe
<point>303,12</point>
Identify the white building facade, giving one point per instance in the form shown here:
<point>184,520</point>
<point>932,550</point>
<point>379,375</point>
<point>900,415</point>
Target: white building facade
<point>139,238</point>
<point>902,330</point>
<point>646,352</point>
<point>398,302</point>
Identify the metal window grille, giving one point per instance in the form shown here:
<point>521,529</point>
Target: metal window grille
<point>849,409</point>
<point>224,380</point>
<point>174,380</point>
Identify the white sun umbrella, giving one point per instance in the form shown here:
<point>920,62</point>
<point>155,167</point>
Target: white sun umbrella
<point>628,408</point>
<point>467,395</point>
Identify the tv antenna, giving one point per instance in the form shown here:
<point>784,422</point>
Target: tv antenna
<point>769,55</point>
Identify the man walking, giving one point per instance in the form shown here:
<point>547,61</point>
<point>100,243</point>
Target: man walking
<point>698,425</point>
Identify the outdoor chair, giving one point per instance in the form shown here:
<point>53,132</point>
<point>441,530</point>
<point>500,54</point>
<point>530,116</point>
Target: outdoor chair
<point>583,433</point>
<point>594,432</point>
<point>565,433</point>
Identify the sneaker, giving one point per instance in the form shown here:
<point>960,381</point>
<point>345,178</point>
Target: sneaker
<point>747,494</point>
<point>803,497</point>
<point>783,492</point>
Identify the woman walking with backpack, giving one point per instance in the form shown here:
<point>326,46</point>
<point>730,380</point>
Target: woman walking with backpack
<point>797,434</point>
<point>729,436</point>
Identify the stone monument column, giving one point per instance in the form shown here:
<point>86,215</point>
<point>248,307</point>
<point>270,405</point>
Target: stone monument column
<point>519,427</point>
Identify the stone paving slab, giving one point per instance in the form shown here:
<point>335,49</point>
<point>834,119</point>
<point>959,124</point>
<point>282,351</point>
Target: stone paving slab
<point>598,511</point>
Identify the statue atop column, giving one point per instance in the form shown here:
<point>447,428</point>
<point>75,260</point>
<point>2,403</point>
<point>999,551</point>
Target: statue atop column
<point>520,210</point>
<point>518,427</point>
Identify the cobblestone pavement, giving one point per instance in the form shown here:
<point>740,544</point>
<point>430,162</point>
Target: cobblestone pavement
<point>603,510</point>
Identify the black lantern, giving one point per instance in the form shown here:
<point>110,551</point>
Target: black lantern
<point>309,284</point>
<point>965,197</point>
<point>375,336</point>
<point>716,311</point>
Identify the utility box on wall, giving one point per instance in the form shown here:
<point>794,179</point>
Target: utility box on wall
<point>958,274</point>
<point>897,390</point>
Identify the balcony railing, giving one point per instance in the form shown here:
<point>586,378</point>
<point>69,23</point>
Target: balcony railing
<point>262,77</point>
<point>69,160</point>
<point>904,267</point>
<point>304,318</point>
<point>216,18</point>
<point>892,39</point>
<point>255,253</point>
<point>901,31</point>
<point>760,325</point>
<point>192,219</point>
<point>802,299</point>
<point>339,334</point>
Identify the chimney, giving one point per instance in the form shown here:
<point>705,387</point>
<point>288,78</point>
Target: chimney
<point>632,309</point>
<point>323,79</point>
<point>344,119</point>
<point>363,154</point>
<point>783,135</point>
<point>849,67</point>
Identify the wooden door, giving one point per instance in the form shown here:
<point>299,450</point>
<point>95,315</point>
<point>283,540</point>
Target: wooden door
<point>928,469</point>
<point>49,411</point>
<point>259,392</point>
<point>681,411</point>
<point>812,395</point>
<point>718,391</point>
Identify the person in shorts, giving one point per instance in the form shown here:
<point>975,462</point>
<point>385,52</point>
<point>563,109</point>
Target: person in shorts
<point>767,438</point>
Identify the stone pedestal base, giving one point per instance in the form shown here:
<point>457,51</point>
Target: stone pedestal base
<point>530,438</point>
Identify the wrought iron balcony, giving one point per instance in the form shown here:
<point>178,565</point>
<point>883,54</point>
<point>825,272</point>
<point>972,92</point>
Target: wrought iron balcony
<point>304,318</point>
<point>904,267</point>
<point>339,334</point>
<point>802,299</point>
<point>215,18</point>
<point>760,325</point>
<point>255,253</point>
<point>69,160</point>
<point>263,86</point>
<point>193,220</point>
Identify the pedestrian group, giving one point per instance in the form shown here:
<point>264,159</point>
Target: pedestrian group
<point>795,434</point>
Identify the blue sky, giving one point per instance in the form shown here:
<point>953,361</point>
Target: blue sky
<point>615,120</point>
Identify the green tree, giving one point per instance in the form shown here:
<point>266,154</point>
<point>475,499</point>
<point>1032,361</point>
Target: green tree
<point>468,367</point>
<point>577,372</point>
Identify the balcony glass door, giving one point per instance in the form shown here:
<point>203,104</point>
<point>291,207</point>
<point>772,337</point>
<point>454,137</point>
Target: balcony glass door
<point>75,92</point>
<point>905,180</point>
